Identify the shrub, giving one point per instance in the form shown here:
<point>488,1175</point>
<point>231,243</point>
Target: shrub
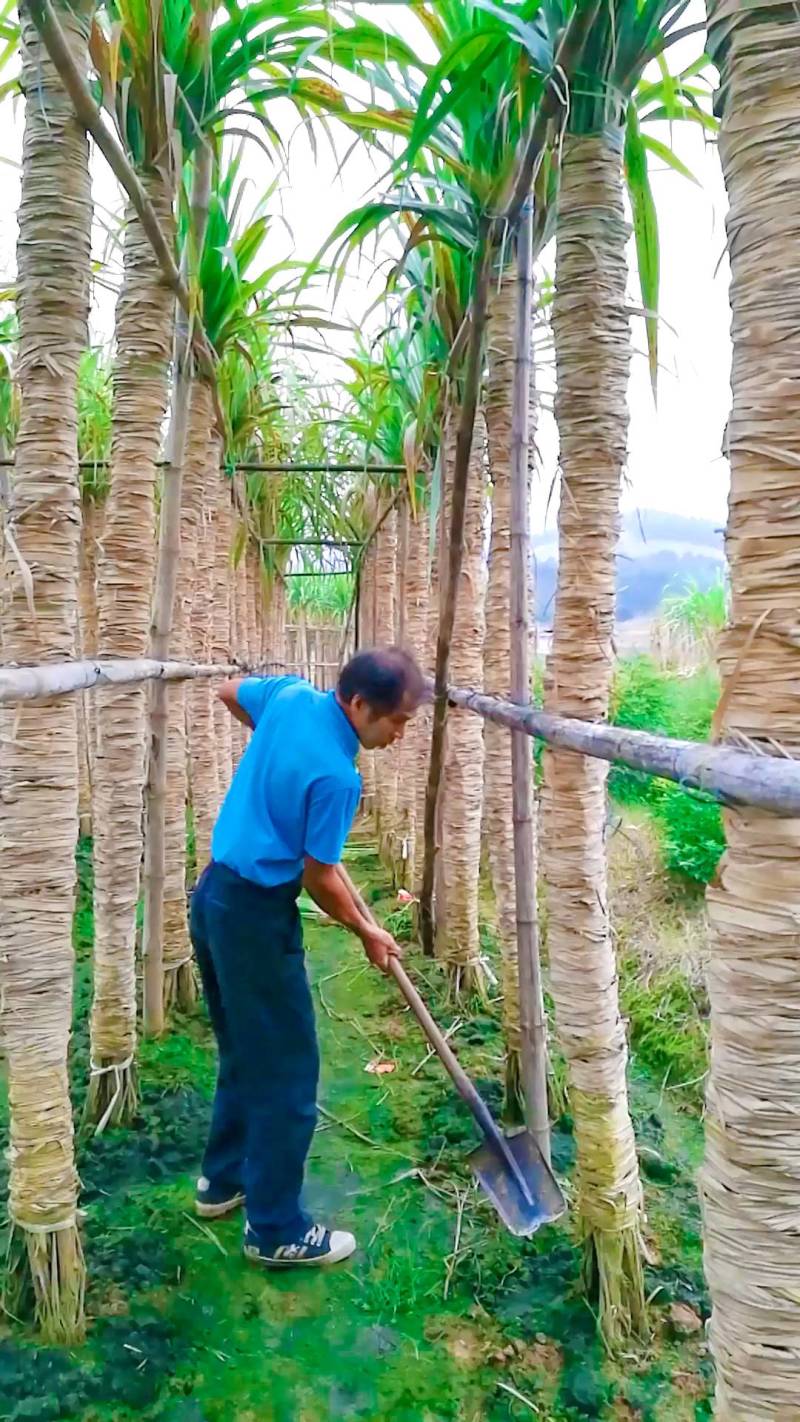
<point>690,828</point>
<point>648,699</point>
<point>639,699</point>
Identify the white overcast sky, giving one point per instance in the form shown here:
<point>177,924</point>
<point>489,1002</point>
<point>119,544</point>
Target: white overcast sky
<point>675,462</point>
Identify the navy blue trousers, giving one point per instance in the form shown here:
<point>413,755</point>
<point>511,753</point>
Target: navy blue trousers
<point>248,941</point>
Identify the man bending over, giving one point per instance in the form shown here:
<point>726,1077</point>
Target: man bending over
<point>283,826</point>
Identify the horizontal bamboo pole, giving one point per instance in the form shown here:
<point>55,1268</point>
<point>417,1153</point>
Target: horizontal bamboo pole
<point>248,467</point>
<point>63,678</point>
<point>734,777</point>
<point>322,468</point>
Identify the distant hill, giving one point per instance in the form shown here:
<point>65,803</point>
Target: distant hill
<point>658,553</point>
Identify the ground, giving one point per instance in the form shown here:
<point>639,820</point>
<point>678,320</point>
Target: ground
<point>441,1315</point>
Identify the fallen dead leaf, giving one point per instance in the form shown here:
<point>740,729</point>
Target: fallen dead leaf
<point>624,1412</point>
<point>684,1320</point>
<point>113,1303</point>
<point>543,1356</point>
<point>651,1250</point>
<point>379,1068</point>
<point>690,1384</point>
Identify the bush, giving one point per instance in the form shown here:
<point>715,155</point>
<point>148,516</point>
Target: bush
<point>691,703</point>
<point>639,699</point>
<point>648,699</point>
<point>691,833</point>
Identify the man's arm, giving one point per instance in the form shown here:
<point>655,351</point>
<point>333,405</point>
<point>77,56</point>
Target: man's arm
<point>228,694</point>
<point>330,889</point>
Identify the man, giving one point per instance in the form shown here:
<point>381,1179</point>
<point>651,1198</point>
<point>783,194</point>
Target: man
<point>283,825</point>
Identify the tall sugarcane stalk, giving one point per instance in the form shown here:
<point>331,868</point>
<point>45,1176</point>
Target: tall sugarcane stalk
<point>458,512</point>
<point>490,231</point>
<point>166,581</point>
<point>39,745</point>
<point>533,1028</point>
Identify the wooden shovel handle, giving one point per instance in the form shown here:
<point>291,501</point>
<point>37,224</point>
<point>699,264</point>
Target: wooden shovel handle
<point>441,1046</point>
<point>446,1054</point>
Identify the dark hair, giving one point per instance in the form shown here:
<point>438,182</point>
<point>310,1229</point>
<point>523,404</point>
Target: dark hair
<point>385,677</point>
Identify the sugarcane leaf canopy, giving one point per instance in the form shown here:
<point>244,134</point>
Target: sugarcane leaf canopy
<point>609,97</point>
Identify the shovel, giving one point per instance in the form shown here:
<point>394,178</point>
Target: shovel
<point>511,1169</point>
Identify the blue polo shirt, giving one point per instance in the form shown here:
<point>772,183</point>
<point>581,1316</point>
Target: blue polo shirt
<point>296,789</point>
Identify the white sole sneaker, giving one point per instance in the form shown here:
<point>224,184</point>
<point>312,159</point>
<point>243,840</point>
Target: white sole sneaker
<point>216,1212</point>
<point>215,1209</point>
<point>341,1247</point>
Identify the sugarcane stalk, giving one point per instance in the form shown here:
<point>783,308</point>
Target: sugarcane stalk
<point>533,1026</point>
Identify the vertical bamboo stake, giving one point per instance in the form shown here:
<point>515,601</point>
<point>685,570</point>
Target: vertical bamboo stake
<point>532,1018</point>
<point>169,547</point>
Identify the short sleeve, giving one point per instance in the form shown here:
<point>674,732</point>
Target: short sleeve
<point>331,811</point>
<point>256,692</point>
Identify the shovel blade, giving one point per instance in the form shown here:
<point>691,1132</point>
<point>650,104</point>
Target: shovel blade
<point>520,1215</point>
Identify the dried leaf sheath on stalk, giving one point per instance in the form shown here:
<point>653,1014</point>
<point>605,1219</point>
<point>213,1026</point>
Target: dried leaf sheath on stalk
<point>126,562</point>
<point>366,638</point>
<point>415,751</point>
<point>457,943</point>
<point>385,762</point>
<point>593,350</point>
<point>179,981</point>
<point>203,770</point>
<point>221,630</point>
<point>497,668</point>
<point>750,1183</point>
<point>38,750</point>
<point>161,631</point>
<point>86,646</point>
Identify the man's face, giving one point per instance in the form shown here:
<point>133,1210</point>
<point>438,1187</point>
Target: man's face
<point>377,730</point>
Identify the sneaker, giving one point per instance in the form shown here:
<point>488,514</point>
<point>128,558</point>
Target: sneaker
<point>211,1203</point>
<point>317,1246</point>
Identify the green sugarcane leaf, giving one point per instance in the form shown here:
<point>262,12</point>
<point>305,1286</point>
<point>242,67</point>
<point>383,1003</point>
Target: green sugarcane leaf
<point>645,229</point>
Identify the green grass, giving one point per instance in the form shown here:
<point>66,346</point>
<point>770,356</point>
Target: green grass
<point>689,823</point>
<point>668,1028</point>
<point>182,1328</point>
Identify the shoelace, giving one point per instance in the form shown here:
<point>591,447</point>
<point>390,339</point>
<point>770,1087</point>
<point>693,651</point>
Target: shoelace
<point>315,1236</point>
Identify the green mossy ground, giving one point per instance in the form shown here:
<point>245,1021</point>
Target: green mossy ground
<point>181,1328</point>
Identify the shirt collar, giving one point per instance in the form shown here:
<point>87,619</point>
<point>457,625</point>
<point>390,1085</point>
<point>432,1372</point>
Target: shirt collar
<point>343,730</point>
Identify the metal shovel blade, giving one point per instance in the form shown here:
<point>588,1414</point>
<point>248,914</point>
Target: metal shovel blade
<point>520,1215</point>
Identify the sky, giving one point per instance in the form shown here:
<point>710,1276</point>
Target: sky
<point>675,462</point>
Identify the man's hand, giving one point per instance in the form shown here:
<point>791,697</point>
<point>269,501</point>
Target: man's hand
<point>331,889</point>
<point>379,947</point>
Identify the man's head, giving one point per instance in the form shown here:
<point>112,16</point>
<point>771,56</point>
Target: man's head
<point>380,690</point>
